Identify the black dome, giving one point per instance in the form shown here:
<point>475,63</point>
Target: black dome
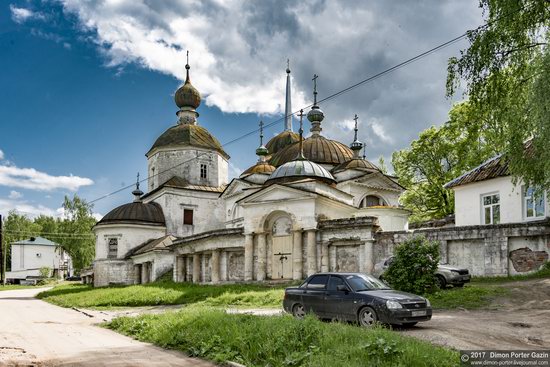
<point>135,213</point>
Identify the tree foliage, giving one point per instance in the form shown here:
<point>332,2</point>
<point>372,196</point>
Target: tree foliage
<point>506,69</point>
<point>73,232</point>
<point>439,155</point>
<point>414,266</point>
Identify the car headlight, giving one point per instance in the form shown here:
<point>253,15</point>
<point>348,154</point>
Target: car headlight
<point>428,304</point>
<point>393,305</point>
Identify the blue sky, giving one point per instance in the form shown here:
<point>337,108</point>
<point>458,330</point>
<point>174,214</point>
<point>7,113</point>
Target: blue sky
<point>87,88</point>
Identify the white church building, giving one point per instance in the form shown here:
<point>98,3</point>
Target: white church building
<point>309,204</point>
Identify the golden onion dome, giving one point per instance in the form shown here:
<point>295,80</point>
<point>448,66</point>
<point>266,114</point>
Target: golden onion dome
<point>281,141</point>
<point>187,95</point>
<point>260,168</point>
<point>317,149</point>
<point>360,164</point>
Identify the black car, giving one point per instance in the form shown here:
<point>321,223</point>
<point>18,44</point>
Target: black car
<point>355,297</point>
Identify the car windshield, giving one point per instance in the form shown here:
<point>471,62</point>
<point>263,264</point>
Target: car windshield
<point>363,282</point>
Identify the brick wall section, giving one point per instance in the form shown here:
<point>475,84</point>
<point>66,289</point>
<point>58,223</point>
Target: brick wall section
<point>484,250</point>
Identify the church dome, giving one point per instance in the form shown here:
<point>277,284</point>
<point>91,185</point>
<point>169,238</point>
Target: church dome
<point>188,135</point>
<point>281,141</point>
<point>298,169</point>
<point>187,95</point>
<point>135,213</point>
<point>317,149</point>
<point>260,167</point>
<point>357,164</point>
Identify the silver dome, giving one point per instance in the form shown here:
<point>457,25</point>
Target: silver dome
<point>301,168</point>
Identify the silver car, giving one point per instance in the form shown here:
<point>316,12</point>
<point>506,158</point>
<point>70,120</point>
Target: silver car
<point>445,275</point>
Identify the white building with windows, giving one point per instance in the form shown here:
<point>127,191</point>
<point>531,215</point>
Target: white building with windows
<point>308,204</point>
<point>488,195</point>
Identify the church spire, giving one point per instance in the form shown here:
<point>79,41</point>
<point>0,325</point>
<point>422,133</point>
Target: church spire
<point>288,102</point>
<point>315,115</point>
<point>356,146</point>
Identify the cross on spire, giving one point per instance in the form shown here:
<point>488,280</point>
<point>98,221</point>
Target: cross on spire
<point>261,132</point>
<point>355,119</point>
<point>315,76</point>
<point>137,192</point>
<point>137,181</point>
<point>187,57</point>
<point>301,131</point>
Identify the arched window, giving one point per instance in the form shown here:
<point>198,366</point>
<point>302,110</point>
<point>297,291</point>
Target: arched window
<point>372,200</point>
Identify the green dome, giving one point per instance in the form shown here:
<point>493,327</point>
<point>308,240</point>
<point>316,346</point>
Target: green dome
<point>187,96</point>
<point>183,135</point>
<point>281,141</point>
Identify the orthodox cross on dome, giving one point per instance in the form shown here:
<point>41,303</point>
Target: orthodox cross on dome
<point>301,131</point>
<point>262,151</point>
<point>315,115</point>
<point>315,76</point>
<point>261,132</point>
<point>137,192</point>
<point>187,67</point>
<point>356,146</point>
<point>288,66</point>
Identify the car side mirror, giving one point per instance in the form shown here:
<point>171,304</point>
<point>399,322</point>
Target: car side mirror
<point>342,288</point>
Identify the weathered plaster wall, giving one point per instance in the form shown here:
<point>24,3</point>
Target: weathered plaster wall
<point>128,235</point>
<point>113,272</point>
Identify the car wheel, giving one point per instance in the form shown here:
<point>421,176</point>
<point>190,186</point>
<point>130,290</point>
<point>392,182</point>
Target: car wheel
<point>299,311</point>
<point>367,317</point>
<point>440,282</point>
<point>409,324</point>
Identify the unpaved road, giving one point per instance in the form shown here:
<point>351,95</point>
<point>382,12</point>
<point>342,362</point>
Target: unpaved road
<point>36,333</point>
<point>521,320</point>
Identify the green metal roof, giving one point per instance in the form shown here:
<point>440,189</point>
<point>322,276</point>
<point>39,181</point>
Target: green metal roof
<point>36,241</point>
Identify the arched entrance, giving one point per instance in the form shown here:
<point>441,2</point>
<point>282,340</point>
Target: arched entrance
<point>281,249</point>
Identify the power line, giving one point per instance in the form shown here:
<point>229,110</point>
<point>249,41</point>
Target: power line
<point>330,97</point>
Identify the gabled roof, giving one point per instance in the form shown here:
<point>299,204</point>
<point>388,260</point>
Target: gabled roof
<point>157,244</point>
<point>36,241</point>
<point>181,183</point>
<point>493,168</point>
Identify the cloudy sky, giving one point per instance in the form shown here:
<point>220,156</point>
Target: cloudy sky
<point>87,86</point>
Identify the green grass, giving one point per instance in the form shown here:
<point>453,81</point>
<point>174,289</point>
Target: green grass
<point>542,273</point>
<point>9,287</point>
<point>469,297</point>
<point>165,293</point>
<point>280,341</point>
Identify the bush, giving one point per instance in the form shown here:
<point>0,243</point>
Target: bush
<point>414,266</point>
<point>44,272</point>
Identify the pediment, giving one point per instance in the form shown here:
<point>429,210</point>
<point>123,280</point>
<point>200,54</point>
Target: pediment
<point>236,187</point>
<point>378,180</point>
<point>276,193</point>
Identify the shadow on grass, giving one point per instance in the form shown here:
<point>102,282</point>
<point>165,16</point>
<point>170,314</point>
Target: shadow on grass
<point>64,289</point>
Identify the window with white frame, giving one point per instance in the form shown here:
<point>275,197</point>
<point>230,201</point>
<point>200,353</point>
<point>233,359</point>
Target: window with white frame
<point>490,205</point>
<point>533,203</point>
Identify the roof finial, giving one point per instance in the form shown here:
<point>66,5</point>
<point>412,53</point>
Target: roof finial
<point>262,151</point>
<point>301,131</point>
<point>315,115</point>
<point>288,102</point>
<point>137,192</point>
<point>187,67</point>
<point>365,151</point>
<point>288,66</point>
<point>356,145</point>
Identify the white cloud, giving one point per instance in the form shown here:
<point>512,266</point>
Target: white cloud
<point>21,15</point>
<point>15,195</point>
<point>25,208</point>
<point>1,154</point>
<point>30,178</point>
<point>238,53</point>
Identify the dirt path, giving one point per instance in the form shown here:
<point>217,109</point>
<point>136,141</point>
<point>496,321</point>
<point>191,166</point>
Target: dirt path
<point>520,320</point>
<point>35,333</point>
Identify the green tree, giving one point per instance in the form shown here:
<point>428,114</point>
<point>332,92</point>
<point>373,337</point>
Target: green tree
<point>439,155</point>
<point>506,69</point>
<point>76,230</point>
<point>382,165</point>
<point>414,266</point>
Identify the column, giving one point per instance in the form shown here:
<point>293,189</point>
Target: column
<point>324,257</point>
<point>179,267</point>
<point>297,266</point>
<point>137,274</point>
<point>311,252</point>
<point>369,256</point>
<point>215,262</point>
<point>196,268</point>
<point>262,256</point>
<point>248,256</point>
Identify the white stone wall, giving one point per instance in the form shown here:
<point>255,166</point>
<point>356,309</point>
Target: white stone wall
<point>162,161</point>
<point>129,236</point>
<point>208,210</point>
<point>110,272</point>
<point>389,219</point>
<point>26,257</point>
<point>468,207</point>
<point>161,262</point>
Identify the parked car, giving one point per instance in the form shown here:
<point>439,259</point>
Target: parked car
<point>445,274</point>
<point>355,297</point>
